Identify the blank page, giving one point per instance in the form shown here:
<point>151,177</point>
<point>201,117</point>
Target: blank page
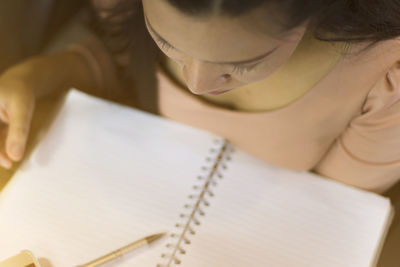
<point>106,175</point>
<point>266,216</point>
<point>103,176</point>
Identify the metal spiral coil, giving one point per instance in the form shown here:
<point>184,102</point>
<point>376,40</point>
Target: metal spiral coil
<point>212,172</point>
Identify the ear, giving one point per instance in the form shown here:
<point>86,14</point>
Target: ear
<point>393,76</point>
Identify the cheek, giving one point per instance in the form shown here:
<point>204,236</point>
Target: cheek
<point>251,77</point>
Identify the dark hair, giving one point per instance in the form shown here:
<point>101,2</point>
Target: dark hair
<point>331,20</point>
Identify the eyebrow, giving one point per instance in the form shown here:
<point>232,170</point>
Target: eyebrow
<point>242,62</point>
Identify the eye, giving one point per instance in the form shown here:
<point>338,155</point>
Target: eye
<point>243,69</point>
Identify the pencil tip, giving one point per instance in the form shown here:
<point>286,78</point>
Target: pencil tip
<point>153,238</point>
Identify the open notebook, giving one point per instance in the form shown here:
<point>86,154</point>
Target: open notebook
<point>107,175</point>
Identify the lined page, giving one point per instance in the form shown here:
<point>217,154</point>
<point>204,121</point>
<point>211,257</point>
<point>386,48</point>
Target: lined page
<point>104,176</point>
<point>265,216</point>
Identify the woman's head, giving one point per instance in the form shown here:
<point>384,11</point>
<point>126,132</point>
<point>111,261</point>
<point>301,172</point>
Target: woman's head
<point>221,45</point>
<point>205,33</point>
<point>215,41</point>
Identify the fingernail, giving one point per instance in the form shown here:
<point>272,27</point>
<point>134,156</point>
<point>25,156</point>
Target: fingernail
<point>17,150</point>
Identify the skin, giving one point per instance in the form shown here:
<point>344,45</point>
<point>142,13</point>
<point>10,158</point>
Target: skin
<point>216,52</point>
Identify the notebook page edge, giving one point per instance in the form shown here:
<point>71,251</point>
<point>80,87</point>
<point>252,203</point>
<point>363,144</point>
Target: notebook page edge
<point>385,231</point>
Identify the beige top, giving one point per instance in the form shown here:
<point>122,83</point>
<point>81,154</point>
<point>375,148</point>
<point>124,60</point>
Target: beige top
<point>336,131</point>
<point>346,126</point>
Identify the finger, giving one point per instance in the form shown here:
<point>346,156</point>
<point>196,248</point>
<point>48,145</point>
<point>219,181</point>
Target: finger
<point>5,162</point>
<point>3,115</point>
<point>20,114</point>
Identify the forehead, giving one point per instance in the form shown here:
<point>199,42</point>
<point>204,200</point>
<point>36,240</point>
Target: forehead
<point>213,37</point>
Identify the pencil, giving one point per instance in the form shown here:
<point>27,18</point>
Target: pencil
<point>121,251</point>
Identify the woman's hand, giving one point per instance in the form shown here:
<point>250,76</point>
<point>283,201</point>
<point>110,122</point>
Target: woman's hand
<point>23,83</point>
<point>17,102</point>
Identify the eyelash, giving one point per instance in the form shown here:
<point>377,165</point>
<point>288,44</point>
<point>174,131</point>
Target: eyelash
<point>164,44</point>
<point>243,69</point>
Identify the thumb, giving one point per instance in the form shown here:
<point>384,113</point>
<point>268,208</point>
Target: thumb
<point>20,115</point>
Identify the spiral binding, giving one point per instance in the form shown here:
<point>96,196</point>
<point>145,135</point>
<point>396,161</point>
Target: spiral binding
<point>217,159</point>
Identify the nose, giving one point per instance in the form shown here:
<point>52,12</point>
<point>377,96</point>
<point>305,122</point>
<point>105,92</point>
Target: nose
<point>202,77</point>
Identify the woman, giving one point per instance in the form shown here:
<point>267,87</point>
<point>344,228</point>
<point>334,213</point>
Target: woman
<point>257,75</point>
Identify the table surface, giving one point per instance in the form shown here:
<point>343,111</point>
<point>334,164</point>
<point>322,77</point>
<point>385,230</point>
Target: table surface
<point>47,109</point>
